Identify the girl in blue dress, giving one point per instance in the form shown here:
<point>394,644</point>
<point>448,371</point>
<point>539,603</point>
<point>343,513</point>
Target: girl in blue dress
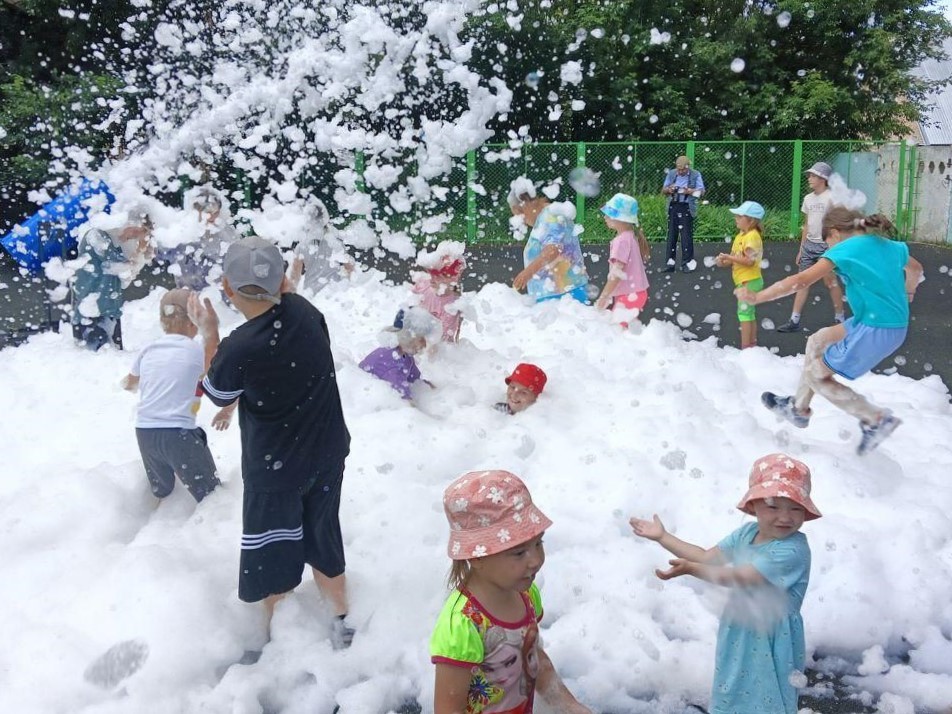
<point>760,646</point>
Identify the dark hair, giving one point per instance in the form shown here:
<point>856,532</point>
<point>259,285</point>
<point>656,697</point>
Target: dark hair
<point>845,220</point>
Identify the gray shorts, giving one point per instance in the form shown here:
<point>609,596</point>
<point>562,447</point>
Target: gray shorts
<point>167,453</point>
<point>811,252</point>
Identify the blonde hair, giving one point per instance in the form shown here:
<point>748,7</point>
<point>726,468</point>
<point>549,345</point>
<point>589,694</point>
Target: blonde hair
<point>642,243</point>
<point>459,573</point>
<point>173,314</point>
<point>847,220</point>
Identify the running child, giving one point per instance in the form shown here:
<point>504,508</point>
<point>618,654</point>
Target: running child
<point>523,388</point>
<point>168,375</point>
<point>627,285</point>
<point>396,365</point>
<point>439,286</point>
<point>881,280</point>
<point>760,642</point>
<point>747,251</point>
<point>485,645</point>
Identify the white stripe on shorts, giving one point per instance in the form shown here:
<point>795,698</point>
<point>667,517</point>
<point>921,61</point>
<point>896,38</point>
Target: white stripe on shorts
<point>259,540</point>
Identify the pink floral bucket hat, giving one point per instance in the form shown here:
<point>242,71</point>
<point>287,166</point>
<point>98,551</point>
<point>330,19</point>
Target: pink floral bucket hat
<point>489,512</point>
<point>779,476</point>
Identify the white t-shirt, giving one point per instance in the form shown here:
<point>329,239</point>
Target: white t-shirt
<point>170,371</point>
<point>815,207</point>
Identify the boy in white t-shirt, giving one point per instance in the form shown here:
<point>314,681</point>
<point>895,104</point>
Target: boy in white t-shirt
<point>812,246</point>
<point>168,375</point>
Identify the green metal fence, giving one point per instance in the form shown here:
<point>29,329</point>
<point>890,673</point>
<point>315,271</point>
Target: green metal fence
<point>472,198</point>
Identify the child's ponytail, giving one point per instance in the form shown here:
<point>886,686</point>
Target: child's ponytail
<point>848,220</point>
<point>642,244</point>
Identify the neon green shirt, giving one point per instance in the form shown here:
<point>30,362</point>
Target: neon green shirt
<point>501,655</point>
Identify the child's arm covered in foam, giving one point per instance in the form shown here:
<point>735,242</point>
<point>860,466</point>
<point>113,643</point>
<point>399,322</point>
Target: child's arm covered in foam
<point>552,689</point>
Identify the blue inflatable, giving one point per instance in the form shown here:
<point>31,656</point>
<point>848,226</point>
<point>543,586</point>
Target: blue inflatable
<point>52,231</point>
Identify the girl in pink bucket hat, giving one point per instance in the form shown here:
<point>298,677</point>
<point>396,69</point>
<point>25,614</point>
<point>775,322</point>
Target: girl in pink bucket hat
<point>486,641</point>
<point>767,566</point>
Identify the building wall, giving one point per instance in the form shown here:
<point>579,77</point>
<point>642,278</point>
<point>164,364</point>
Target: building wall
<point>934,200</point>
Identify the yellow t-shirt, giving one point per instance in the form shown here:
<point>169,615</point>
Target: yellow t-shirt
<point>749,240</point>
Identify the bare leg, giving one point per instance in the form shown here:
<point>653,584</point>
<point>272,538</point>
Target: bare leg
<point>814,369</point>
<point>819,378</point>
<point>269,604</point>
<point>335,589</point>
<point>800,299</point>
<point>836,293</point>
<point>748,334</point>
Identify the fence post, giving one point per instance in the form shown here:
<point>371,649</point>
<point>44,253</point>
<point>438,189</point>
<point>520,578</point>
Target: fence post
<point>579,198</point>
<point>912,208</point>
<point>901,189</point>
<point>470,197</point>
<point>796,187</point>
<point>689,151</point>
<point>359,166</point>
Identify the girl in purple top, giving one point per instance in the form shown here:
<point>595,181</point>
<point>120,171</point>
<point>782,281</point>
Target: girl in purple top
<point>627,286</point>
<point>396,365</point>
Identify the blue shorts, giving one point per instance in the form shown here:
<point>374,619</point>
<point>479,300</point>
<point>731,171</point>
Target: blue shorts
<point>580,293</point>
<point>863,348</point>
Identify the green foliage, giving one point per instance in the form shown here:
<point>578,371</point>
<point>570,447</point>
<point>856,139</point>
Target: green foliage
<point>835,70</point>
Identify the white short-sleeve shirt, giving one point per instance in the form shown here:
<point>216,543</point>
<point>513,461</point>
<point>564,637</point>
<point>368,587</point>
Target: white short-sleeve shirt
<point>170,371</point>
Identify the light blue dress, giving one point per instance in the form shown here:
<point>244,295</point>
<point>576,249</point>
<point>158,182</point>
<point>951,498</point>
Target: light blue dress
<point>760,639</point>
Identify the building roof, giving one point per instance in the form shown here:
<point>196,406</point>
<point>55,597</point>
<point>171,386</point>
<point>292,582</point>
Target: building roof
<point>936,127</point>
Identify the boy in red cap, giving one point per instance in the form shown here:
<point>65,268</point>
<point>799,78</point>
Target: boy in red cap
<point>525,385</point>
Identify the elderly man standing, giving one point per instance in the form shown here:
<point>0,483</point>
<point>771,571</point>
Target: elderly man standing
<point>683,186</point>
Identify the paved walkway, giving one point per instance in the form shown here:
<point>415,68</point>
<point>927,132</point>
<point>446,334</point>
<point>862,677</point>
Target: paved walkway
<point>705,292</point>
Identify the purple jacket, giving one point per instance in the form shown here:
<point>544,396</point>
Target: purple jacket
<point>392,366</point>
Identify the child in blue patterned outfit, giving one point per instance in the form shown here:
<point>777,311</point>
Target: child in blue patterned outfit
<point>760,645</point>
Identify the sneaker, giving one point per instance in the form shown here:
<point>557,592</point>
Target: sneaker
<point>783,407</point>
<point>875,434</point>
<point>668,269</point>
<point>689,266</point>
<point>790,326</point>
<point>341,635</point>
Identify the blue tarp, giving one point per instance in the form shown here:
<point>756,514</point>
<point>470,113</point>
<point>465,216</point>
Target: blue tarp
<point>52,231</point>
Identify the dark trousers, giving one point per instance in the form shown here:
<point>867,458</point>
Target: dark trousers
<point>680,222</point>
<point>98,331</point>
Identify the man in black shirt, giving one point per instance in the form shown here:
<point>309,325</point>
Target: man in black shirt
<point>279,371</point>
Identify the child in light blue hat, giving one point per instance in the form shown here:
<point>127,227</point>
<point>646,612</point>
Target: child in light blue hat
<point>627,285</point>
<point>744,259</point>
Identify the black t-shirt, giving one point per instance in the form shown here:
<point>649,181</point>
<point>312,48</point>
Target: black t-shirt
<point>280,368</point>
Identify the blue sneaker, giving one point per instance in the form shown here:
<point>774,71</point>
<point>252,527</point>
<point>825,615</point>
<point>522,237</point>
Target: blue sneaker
<point>875,434</point>
<point>783,407</point>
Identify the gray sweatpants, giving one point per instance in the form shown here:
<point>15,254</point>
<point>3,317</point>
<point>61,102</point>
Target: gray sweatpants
<point>167,453</point>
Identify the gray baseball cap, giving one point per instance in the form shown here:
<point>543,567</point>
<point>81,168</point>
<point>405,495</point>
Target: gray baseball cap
<point>821,169</point>
<point>255,262</point>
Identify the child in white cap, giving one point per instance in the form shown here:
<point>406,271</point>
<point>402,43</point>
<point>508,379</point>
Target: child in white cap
<point>747,251</point>
<point>485,646</point>
<point>760,644</point>
<point>812,244</point>
<point>627,285</point>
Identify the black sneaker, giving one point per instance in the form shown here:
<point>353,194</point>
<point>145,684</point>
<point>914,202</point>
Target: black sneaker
<point>341,635</point>
<point>790,326</point>
<point>689,267</point>
<point>784,408</point>
<point>668,269</point>
<point>875,434</point>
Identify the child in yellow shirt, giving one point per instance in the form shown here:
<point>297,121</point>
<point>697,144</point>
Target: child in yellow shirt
<point>744,259</point>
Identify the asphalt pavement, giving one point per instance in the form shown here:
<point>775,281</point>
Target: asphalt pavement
<point>702,300</point>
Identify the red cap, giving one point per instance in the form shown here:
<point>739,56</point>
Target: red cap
<point>529,376</point>
<point>448,271</point>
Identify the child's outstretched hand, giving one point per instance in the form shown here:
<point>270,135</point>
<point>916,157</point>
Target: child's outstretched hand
<point>679,566</point>
<point>723,260</point>
<point>202,314</point>
<point>652,530</point>
<point>222,420</point>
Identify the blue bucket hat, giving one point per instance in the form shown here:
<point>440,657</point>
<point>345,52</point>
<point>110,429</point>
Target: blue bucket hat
<point>751,209</point>
<point>622,207</point>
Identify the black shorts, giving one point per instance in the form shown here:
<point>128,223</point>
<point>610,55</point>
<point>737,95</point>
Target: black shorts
<point>283,530</point>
